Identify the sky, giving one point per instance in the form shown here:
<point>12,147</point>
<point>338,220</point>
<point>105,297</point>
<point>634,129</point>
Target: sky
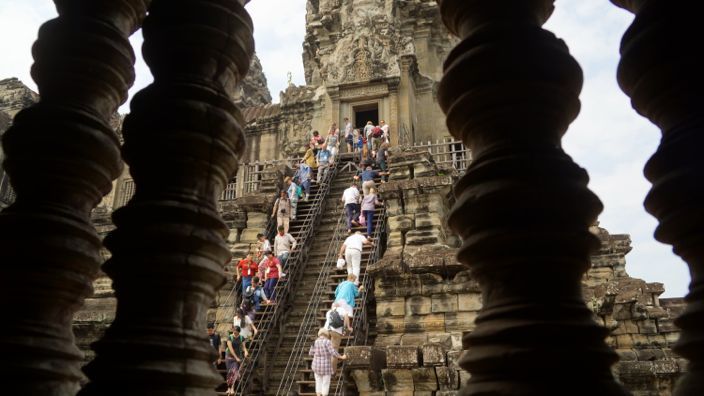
<point>608,138</point>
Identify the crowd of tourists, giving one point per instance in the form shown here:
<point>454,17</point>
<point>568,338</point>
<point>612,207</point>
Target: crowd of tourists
<point>259,272</point>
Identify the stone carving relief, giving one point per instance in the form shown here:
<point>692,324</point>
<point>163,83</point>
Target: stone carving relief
<point>366,49</point>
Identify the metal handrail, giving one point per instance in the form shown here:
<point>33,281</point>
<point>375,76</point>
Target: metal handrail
<point>282,289</point>
<point>360,316</point>
<point>311,314</point>
<point>229,306</point>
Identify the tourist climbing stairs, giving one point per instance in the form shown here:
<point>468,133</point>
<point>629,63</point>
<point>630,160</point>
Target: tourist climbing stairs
<point>321,281</point>
<point>269,317</point>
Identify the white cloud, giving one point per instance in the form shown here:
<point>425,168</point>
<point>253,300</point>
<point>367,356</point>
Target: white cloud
<point>609,139</point>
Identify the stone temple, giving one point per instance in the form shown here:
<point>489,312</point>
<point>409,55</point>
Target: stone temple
<point>468,290</point>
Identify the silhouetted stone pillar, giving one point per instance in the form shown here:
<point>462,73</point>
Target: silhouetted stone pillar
<point>523,209</point>
<point>661,70</point>
<point>182,141</point>
<point>62,156</point>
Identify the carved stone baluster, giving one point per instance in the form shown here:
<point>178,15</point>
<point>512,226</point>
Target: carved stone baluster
<point>661,70</point>
<point>182,141</point>
<point>62,156</point>
<point>523,209</point>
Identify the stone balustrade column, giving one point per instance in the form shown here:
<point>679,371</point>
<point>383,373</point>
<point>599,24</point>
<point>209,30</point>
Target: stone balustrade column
<point>661,70</point>
<point>182,140</point>
<point>61,155</point>
<point>523,210</point>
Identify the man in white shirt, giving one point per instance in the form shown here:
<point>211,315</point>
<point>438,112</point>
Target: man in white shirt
<point>349,135</point>
<point>351,199</point>
<point>284,243</point>
<point>351,250</point>
<point>385,131</point>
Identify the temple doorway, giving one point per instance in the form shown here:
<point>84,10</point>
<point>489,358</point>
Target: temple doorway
<point>364,113</point>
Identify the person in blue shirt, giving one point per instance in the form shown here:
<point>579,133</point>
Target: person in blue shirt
<point>368,175</point>
<point>348,291</point>
<point>292,191</point>
<point>303,175</point>
<point>324,162</point>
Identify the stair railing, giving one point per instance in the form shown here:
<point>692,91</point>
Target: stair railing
<point>297,258</point>
<point>309,321</point>
<point>229,306</point>
<point>360,322</point>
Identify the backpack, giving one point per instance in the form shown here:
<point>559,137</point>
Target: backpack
<point>377,132</point>
<point>336,320</point>
<point>299,191</point>
<point>248,296</point>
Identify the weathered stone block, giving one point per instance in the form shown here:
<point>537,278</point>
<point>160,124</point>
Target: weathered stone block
<point>459,321</point>
<point>414,339</point>
<point>396,380</point>
<point>647,326</point>
<point>428,236</point>
<point>422,169</point>
<point>432,284</point>
<point>435,259</point>
<point>395,306</point>
<point>418,305</point>
<point>384,340</point>
<point>425,323</point>
<point>393,207</point>
<point>444,302</point>
<point>464,377</point>
<point>397,286</point>
<point>402,356</point>
<point>448,378</point>
<point>433,355</point>
<point>257,220</point>
<point>249,235</point>
<point>428,220</point>
<point>625,327</point>
<point>365,357</point>
<point>394,238</point>
<point>443,339</point>
<point>424,379</point>
<point>390,325</point>
<point>401,223</point>
<point>453,358</point>
<point>367,381</point>
<point>469,302</point>
<point>232,236</point>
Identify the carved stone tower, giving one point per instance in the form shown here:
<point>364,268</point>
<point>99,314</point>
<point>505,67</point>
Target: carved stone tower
<point>378,59</point>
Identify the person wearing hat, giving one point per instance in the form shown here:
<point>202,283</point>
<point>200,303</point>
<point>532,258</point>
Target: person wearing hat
<point>323,353</point>
<point>282,210</point>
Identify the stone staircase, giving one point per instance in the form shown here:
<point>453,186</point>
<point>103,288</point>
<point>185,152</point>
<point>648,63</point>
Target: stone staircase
<point>321,279</point>
<point>255,370</point>
<point>305,287</point>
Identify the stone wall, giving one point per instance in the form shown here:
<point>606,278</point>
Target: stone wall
<point>426,301</point>
<point>245,217</point>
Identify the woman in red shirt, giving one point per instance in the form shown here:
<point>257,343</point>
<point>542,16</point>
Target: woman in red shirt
<point>246,269</point>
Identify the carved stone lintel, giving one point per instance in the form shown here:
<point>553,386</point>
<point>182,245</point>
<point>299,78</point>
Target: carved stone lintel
<point>62,156</point>
<point>523,209</point>
<point>182,143</point>
<point>661,71</point>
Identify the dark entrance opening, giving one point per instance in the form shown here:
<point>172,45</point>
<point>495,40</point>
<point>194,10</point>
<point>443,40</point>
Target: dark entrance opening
<point>365,113</point>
